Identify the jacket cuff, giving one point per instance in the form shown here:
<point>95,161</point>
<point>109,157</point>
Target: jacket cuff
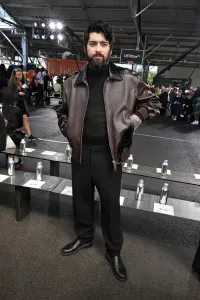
<point>135,121</point>
<point>142,113</point>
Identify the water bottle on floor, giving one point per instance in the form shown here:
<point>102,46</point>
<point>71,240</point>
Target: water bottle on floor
<point>39,171</point>
<point>164,194</point>
<point>11,166</point>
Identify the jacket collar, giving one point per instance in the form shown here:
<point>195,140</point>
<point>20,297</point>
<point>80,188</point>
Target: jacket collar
<point>114,74</point>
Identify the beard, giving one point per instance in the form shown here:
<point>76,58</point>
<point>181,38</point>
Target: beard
<point>97,65</point>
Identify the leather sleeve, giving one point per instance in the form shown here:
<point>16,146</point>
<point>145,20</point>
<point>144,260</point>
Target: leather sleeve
<point>147,104</point>
<point>62,112</point>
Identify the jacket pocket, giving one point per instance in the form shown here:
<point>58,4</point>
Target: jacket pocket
<point>125,144</point>
<point>125,154</point>
<point>62,123</point>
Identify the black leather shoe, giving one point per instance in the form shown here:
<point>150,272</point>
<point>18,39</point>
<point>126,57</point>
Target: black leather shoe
<point>117,266</point>
<point>74,247</point>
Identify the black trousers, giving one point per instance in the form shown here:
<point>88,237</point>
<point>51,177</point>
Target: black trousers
<point>97,170</point>
<point>196,262</point>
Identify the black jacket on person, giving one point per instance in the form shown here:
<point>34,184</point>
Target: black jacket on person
<point>2,133</point>
<point>3,82</point>
<point>124,95</point>
<point>11,113</point>
<point>164,99</point>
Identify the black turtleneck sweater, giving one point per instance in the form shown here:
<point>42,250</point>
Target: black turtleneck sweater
<point>95,130</point>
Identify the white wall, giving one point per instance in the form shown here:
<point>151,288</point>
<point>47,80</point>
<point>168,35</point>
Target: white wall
<point>180,72</point>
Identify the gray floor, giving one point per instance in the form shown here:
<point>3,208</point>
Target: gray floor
<point>158,250</point>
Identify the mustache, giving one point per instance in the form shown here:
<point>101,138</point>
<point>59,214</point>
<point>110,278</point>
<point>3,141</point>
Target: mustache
<point>97,55</point>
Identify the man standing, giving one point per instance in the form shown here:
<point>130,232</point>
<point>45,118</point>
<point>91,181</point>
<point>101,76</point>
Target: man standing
<point>102,106</point>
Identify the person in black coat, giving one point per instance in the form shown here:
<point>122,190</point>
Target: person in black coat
<point>3,76</point>
<point>18,95</point>
<point>2,133</point>
<point>177,106</point>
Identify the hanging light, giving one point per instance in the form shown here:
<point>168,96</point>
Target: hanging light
<point>59,26</point>
<point>43,24</point>
<point>52,37</point>
<point>35,24</point>
<point>60,37</point>
<point>52,25</point>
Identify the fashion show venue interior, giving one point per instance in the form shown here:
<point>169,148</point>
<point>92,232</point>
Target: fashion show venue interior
<point>44,42</point>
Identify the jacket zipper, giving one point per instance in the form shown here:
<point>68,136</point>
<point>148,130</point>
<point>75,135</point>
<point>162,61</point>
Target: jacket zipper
<point>83,122</point>
<point>115,163</point>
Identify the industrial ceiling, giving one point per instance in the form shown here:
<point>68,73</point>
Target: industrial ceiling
<point>171,26</point>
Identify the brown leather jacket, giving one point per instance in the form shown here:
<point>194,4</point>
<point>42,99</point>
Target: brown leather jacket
<point>125,94</point>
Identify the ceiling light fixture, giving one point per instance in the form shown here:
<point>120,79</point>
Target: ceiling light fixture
<point>52,25</point>
<point>60,37</point>
<point>59,26</point>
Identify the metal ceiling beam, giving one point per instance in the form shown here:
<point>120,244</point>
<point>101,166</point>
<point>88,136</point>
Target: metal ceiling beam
<point>84,9</point>
<point>134,8</point>
<point>108,7</point>
<point>111,21</point>
<point>10,13</point>
<point>157,47</point>
<point>182,56</point>
<point>145,8</point>
<point>67,6</point>
<point>7,38</point>
<point>9,22</point>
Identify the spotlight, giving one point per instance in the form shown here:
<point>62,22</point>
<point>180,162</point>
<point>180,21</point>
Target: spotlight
<point>43,37</point>
<point>43,24</point>
<point>52,37</point>
<point>59,26</point>
<point>35,24</point>
<point>60,37</point>
<point>52,25</point>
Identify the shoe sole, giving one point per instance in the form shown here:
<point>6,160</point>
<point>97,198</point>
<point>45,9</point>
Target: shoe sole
<point>110,262</point>
<point>74,252</point>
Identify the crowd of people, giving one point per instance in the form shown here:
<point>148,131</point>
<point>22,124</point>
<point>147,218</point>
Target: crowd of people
<point>180,103</point>
<point>18,90</point>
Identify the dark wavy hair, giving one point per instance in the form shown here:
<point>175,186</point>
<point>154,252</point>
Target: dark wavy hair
<point>98,27</point>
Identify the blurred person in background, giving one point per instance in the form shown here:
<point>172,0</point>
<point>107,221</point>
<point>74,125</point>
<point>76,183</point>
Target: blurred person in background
<point>196,107</point>
<point>163,97</point>
<point>18,94</point>
<point>177,106</point>
<point>37,89</point>
<point>13,122</point>
<point>188,103</point>
<point>3,76</point>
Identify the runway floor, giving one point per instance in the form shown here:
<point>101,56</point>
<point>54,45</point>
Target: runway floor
<point>158,250</point>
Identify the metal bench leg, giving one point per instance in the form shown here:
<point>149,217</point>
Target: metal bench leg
<point>6,160</point>
<point>54,204</point>
<point>23,202</point>
<point>54,168</point>
<point>196,262</point>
